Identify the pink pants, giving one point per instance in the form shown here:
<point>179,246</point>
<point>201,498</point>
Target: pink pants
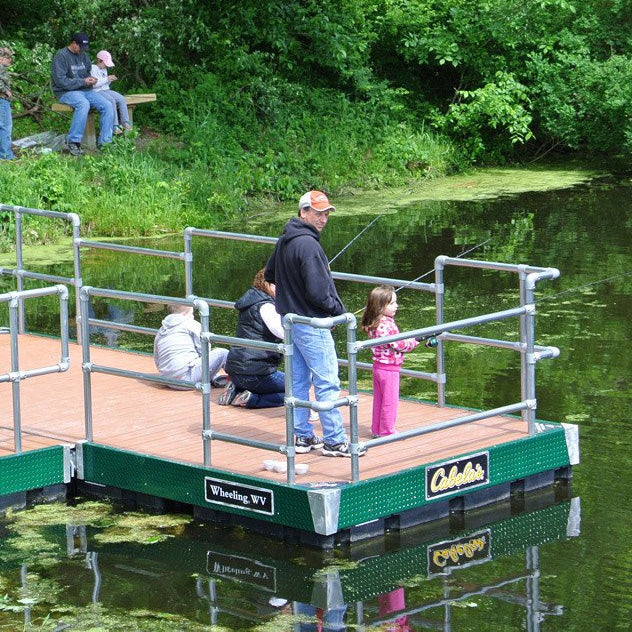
<point>385,398</point>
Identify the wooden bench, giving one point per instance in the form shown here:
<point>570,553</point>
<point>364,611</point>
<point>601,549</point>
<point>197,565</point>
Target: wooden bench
<point>89,135</point>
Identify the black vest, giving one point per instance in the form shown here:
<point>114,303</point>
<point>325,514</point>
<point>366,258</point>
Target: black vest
<point>250,325</point>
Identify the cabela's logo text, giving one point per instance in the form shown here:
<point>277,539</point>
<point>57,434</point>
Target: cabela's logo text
<point>453,476</point>
<point>459,553</point>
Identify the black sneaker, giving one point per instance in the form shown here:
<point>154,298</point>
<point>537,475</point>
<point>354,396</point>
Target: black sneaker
<point>305,444</point>
<point>228,395</point>
<point>75,149</point>
<point>340,449</point>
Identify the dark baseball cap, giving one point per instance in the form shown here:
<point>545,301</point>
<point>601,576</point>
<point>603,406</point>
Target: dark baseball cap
<point>82,40</point>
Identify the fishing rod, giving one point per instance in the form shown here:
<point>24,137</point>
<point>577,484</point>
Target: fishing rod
<point>425,274</point>
<point>465,252</point>
<point>356,237</point>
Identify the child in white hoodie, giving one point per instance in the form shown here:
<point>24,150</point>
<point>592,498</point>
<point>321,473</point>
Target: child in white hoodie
<point>102,86</point>
<point>177,349</point>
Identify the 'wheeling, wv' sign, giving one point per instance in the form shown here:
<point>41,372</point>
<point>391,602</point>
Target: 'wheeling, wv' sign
<point>238,495</point>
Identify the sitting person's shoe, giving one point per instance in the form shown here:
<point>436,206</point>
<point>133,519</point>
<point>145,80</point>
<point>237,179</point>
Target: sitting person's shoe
<point>340,449</point>
<point>305,444</point>
<point>220,381</point>
<point>127,126</point>
<point>242,399</point>
<point>118,130</point>
<point>75,149</point>
<point>229,394</point>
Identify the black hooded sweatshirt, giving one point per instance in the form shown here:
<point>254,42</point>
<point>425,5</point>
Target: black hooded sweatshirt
<point>300,270</point>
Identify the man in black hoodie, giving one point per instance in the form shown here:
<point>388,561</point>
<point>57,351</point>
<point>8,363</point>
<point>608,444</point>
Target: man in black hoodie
<point>304,285</point>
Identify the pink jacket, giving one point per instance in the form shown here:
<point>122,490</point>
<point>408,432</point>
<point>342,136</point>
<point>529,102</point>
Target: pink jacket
<point>392,353</point>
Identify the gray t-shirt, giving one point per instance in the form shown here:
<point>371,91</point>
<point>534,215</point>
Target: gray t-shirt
<point>68,70</point>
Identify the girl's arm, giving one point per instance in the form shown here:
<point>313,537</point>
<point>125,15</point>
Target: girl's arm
<point>389,328</point>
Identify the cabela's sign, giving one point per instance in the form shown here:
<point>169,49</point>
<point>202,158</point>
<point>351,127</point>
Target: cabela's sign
<point>239,495</point>
<point>467,551</point>
<point>456,475</point>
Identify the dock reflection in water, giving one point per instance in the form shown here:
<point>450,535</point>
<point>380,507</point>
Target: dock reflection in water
<point>414,580</point>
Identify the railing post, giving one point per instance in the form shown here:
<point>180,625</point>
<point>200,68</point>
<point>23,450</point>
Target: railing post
<point>522,275</point>
<point>205,385</point>
<point>78,282</point>
<point>188,262</point>
<point>353,395</point>
<point>15,369</point>
<point>529,382</point>
<point>439,301</point>
<point>288,353</point>
<point>19,261</point>
<point>86,364</point>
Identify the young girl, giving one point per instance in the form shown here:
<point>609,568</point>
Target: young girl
<point>102,86</point>
<point>377,322</point>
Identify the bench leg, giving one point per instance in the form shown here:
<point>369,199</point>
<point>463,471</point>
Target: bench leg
<point>89,135</point>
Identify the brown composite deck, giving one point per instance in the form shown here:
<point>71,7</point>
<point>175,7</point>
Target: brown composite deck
<point>133,415</point>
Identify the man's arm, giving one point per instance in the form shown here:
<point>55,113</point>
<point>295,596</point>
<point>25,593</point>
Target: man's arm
<point>319,287</point>
<point>59,75</point>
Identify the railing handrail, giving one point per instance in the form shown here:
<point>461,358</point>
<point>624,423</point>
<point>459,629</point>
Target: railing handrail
<point>15,376</point>
<point>20,273</point>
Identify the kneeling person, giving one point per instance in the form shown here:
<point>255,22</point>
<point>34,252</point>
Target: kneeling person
<point>256,381</point>
<point>178,349</point>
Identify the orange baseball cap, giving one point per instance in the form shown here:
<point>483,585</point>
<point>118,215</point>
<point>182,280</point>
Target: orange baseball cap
<point>316,200</point>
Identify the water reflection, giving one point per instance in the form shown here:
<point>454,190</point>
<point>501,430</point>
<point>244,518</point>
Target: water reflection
<point>422,578</point>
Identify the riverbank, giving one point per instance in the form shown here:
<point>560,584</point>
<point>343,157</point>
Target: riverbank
<point>47,243</point>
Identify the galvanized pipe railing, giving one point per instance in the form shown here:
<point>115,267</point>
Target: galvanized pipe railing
<point>528,276</point>
<point>88,367</point>
<point>15,376</point>
<point>20,273</point>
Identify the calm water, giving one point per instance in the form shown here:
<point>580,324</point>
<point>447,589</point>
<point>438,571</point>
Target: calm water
<point>204,576</point>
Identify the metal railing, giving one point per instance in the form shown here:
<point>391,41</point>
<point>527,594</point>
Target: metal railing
<point>15,376</point>
<point>531,353</point>
<point>20,273</point>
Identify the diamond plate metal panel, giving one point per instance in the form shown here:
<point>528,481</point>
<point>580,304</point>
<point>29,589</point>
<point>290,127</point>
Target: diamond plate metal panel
<point>184,482</point>
<point>31,470</point>
<point>392,494</point>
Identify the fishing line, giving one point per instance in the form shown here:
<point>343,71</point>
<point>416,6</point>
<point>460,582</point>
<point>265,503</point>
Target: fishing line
<point>465,252</point>
<point>579,287</point>
<point>425,274</point>
<point>356,237</point>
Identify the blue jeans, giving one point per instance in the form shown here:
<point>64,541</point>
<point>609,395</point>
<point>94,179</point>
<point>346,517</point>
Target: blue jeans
<point>315,361</point>
<point>267,391</point>
<point>119,104</point>
<point>6,127</point>
<point>81,101</point>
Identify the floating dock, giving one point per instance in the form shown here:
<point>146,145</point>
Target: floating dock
<point>78,423</point>
<point>147,443</point>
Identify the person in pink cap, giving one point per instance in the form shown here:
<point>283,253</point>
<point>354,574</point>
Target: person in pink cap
<point>102,86</point>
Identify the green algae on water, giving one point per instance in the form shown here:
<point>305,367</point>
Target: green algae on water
<point>142,528</point>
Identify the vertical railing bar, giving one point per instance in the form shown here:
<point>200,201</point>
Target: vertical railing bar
<point>205,380</point>
<point>85,366</point>
<point>522,275</point>
<point>15,369</point>
<point>78,281</point>
<point>529,352</point>
<point>19,261</point>
<point>439,310</point>
<point>188,262</point>
<point>353,393</point>
<point>290,410</point>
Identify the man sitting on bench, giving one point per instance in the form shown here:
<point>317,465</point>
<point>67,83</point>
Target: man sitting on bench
<point>72,85</point>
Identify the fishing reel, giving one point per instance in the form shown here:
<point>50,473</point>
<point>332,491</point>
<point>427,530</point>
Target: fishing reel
<point>429,341</point>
